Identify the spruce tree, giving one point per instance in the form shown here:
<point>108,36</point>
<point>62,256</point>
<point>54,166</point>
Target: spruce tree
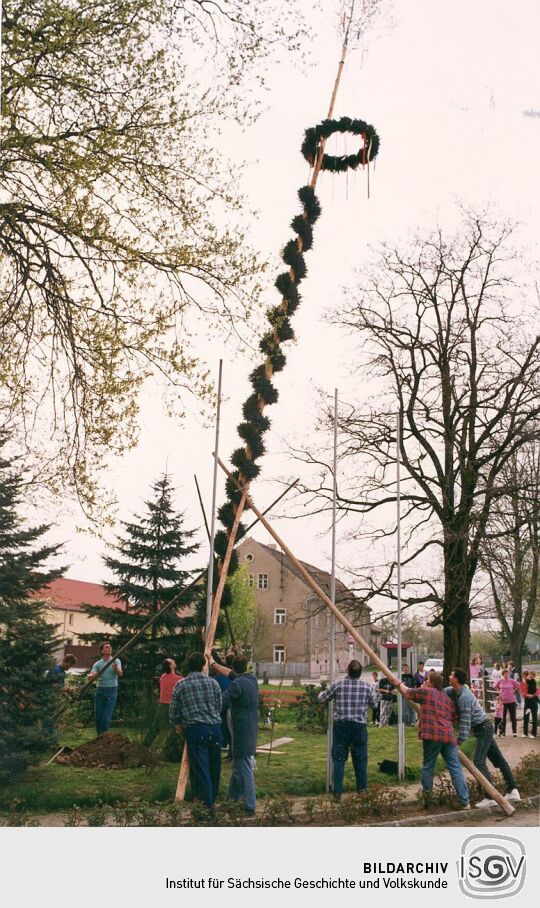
<point>146,565</point>
<point>27,641</point>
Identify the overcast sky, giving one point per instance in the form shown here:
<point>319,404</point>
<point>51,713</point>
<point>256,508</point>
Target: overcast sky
<point>446,88</point>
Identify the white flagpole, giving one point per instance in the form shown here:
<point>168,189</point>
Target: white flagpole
<point>210,583</point>
<point>332,631</point>
<point>401,727</point>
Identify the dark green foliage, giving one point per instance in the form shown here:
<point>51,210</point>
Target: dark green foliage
<point>285,331</point>
<point>27,642</point>
<point>248,469</point>
<point>303,228</point>
<point>286,283</point>
<point>251,435</point>
<point>310,714</point>
<point>263,386</point>
<point>226,513</point>
<point>233,492</point>
<point>252,413</point>
<point>293,257</point>
<point>311,204</point>
<point>148,576</point>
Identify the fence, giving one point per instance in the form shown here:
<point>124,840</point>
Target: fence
<point>280,670</point>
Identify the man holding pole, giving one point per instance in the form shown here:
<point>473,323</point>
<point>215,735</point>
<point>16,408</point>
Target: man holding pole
<point>196,707</point>
<point>351,698</point>
<point>473,718</point>
<point>242,696</point>
<point>436,732</point>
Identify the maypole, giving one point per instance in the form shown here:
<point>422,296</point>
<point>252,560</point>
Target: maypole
<point>256,424</point>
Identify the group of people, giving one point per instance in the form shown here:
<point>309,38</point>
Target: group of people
<point>196,709</point>
<point>440,707</point>
<point>383,712</point>
<point>216,705</point>
<point>512,693</point>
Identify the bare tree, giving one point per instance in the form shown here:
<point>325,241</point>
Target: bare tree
<point>444,343</point>
<point>511,554</point>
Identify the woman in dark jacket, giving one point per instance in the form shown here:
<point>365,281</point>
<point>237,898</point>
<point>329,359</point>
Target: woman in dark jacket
<point>242,697</point>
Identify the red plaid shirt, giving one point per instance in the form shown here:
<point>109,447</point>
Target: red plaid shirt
<point>436,713</point>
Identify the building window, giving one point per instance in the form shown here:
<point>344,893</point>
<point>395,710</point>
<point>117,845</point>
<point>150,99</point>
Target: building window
<point>262,581</point>
<point>279,653</point>
<point>70,619</point>
<point>249,557</point>
<point>251,580</point>
<point>280,616</point>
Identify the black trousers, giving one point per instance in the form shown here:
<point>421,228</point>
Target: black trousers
<point>509,709</point>
<point>531,709</point>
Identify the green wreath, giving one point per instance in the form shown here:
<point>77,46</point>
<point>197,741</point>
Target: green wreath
<point>335,163</point>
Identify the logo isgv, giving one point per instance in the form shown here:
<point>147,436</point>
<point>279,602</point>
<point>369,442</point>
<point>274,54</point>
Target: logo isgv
<point>491,867</point>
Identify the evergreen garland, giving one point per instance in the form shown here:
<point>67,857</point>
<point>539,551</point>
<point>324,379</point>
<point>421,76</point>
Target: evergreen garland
<point>264,392</point>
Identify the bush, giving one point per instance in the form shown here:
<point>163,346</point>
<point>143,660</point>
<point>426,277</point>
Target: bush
<point>310,714</point>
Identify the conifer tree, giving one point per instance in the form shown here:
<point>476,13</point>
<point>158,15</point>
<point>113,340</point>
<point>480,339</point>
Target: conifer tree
<point>146,565</point>
<point>27,641</point>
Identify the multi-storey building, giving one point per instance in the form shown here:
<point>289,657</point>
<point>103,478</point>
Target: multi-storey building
<point>291,632</point>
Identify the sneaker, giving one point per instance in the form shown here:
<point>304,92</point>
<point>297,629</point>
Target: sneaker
<point>525,736</point>
<point>465,807</point>
<point>514,735</point>
<point>513,795</point>
<point>486,802</point>
<point>530,736</point>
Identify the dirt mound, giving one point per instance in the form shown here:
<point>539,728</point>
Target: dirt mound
<point>110,751</point>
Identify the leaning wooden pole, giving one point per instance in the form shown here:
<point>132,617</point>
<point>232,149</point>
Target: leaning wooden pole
<point>256,424</point>
<point>374,658</point>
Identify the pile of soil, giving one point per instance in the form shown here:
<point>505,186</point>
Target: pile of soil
<point>109,751</point>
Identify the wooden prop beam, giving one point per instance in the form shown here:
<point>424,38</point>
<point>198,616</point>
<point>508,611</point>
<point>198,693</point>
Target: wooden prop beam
<point>132,640</point>
<point>490,790</point>
<point>209,640</point>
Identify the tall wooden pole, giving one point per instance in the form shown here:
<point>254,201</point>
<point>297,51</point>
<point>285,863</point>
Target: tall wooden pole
<point>210,584</point>
<point>314,177</point>
<point>490,790</point>
<point>231,541</point>
<point>401,727</point>
<point>332,629</point>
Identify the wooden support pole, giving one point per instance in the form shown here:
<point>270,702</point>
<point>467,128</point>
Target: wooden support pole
<point>211,632</point>
<point>374,658</point>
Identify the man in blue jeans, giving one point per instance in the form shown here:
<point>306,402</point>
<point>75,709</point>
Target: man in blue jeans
<point>436,732</point>
<point>107,674</point>
<point>352,698</point>
<point>242,696</point>
<point>196,708</point>
<point>472,718</point>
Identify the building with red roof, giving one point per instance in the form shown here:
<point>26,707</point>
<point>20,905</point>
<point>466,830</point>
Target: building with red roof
<point>65,600</point>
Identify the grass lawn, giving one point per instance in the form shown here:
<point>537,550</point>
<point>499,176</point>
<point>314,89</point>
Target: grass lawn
<point>301,770</point>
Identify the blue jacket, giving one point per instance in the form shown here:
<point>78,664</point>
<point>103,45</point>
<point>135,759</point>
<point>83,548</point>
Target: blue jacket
<point>243,699</point>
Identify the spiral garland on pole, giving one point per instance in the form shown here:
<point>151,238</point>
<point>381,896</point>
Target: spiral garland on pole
<point>255,423</point>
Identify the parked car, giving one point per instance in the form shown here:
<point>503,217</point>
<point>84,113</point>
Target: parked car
<point>437,664</point>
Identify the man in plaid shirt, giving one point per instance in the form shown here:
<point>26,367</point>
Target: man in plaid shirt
<point>436,731</point>
<point>196,707</point>
<point>352,698</point>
